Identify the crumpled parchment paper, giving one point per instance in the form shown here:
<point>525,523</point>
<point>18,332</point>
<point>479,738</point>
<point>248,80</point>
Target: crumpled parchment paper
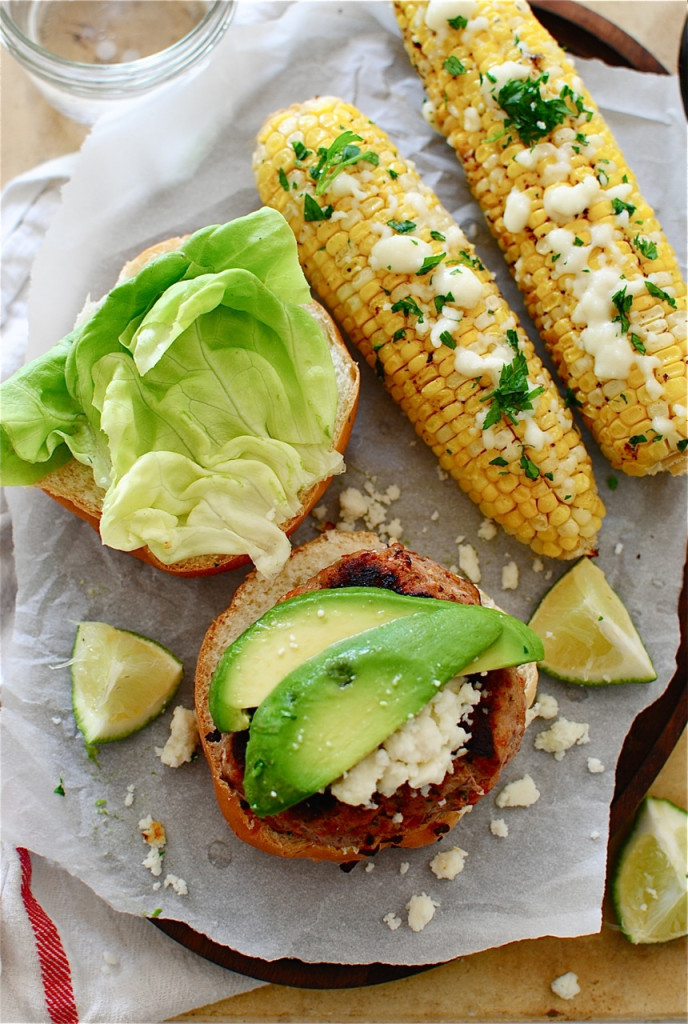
<point>169,166</point>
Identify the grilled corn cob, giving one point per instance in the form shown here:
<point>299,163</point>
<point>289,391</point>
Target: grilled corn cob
<point>405,284</point>
<point>597,274</point>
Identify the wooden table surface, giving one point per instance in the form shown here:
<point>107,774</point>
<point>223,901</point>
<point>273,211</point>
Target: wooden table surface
<point>618,981</point>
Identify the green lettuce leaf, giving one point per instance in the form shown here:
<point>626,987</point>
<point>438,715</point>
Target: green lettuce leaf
<point>200,392</point>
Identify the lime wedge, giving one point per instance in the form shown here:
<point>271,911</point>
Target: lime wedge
<point>650,884</point>
<point>120,681</point>
<point>588,635</point>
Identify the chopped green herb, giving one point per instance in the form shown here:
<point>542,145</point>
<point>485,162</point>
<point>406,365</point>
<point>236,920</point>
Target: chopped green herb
<point>659,294</point>
<point>332,160</point>
<point>512,394</point>
<point>458,22</point>
<point>471,261</point>
<point>499,461</point>
<point>430,262</point>
<point>446,339</point>
<point>300,150</point>
<point>682,444</point>
<point>529,112</point>
<point>623,303</point>
<point>408,305</point>
<point>646,247</point>
<point>572,400</point>
<point>392,173</point>
<point>59,788</point>
<point>637,439</point>
<point>313,210</point>
<point>454,66</point>
<point>283,179</point>
<point>529,467</point>
<point>637,343</point>
<point>437,236</point>
<point>441,300</point>
<point>402,227</point>
<point>612,482</point>
<point>619,206</point>
<point>512,338</point>
<point>399,335</point>
<point>578,241</point>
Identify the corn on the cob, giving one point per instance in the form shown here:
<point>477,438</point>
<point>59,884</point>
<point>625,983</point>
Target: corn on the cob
<point>598,276</point>
<point>404,283</point>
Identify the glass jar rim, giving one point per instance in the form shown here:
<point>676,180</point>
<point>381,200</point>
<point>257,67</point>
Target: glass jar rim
<point>125,76</point>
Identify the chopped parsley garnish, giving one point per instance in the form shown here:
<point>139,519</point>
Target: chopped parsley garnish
<point>300,150</point>
<point>441,300</point>
<point>499,461</point>
<point>430,262</point>
<point>659,294</point>
<point>578,241</point>
<point>647,248</point>
<point>529,112</point>
<point>399,335</point>
<point>59,788</point>
<point>392,173</point>
<point>571,399</point>
<point>446,339</point>
<point>408,305</point>
<point>612,482</point>
<point>402,227</point>
<point>342,153</point>
<point>471,261</point>
<point>437,236</point>
<point>458,22</point>
<point>529,467</point>
<point>454,66</point>
<point>619,206</point>
<point>512,338</point>
<point>512,394</point>
<point>623,303</point>
<point>313,210</point>
<point>682,444</point>
<point>636,440</point>
<point>283,179</point>
<point>637,343</point>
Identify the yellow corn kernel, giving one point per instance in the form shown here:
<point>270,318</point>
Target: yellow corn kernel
<point>443,332</point>
<point>523,171</point>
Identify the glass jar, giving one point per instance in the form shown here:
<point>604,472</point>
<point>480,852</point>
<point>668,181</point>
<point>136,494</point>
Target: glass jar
<point>87,55</point>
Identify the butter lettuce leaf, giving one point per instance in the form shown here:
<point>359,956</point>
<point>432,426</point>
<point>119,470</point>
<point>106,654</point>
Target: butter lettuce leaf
<point>201,393</point>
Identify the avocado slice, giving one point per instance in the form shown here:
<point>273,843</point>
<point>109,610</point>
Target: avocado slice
<point>290,633</point>
<point>341,704</point>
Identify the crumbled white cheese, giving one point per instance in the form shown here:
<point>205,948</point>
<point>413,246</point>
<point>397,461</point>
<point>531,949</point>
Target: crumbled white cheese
<point>448,863</point>
<point>403,867</point>
<point>370,507</point>
<point>369,867</point>
<point>421,910</point>
<point>595,766</point>
<point>181,744</point>
<point>545,706</point>
<point>520,793</point>
<point>498,827</point>
<point>178,884</point>
<point>487,530</point>
<point>392,921</point>
<point>566,985</point>
<point>129,798</point>
<point>510,576</point>
<point>469,563</point>
<point>561,736</point>
<point>153,833</point>
<point>419,753</point>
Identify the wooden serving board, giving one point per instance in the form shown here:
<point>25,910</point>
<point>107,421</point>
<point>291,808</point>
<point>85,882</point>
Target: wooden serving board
<point>655,731</point>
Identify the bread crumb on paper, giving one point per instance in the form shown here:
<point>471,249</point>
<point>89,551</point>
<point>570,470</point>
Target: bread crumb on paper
<point>566,985</point>
<point>421,910</point>
<point>448,863</point>
<point>520,793</point>
<point>183,740</point>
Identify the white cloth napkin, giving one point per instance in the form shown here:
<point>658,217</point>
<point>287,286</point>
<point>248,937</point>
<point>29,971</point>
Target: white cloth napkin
<point>68,957</point>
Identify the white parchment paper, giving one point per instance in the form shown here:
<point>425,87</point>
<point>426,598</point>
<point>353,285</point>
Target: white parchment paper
<point>170,166</point>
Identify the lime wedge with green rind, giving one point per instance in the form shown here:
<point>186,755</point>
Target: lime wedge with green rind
<point>121,681</point>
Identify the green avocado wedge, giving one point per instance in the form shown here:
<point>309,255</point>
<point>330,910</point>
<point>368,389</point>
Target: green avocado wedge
<point>339,705</point>
<point>300,627</point>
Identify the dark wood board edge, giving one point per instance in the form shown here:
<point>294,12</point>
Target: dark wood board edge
<point>654,732</point>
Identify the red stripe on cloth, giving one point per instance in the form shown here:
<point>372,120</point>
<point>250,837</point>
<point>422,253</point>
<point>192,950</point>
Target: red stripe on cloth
<point>55,971</point>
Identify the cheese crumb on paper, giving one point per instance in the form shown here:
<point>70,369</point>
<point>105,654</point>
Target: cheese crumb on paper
<point>498,827</point>
<point>153,833</point>
<point>561,736</point>
<point>448,863</point>
<point>181,744</point>
<point>520,793</point>
<point>421,910</point>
